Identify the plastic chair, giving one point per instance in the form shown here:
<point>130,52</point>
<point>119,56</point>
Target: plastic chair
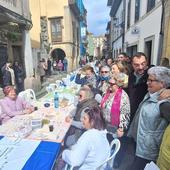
<point>30,95</point>
<point>59,83</point>
<point>53,86</point>
<point>108,163</point>
<point>68,167</point>
<point>49,89</point>
<point>23,95</point>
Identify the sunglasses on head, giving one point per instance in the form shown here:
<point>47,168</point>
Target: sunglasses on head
<point>104,71</point>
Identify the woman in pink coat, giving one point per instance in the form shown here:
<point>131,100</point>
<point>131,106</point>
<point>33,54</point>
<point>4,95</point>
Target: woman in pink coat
<point>60,65</point>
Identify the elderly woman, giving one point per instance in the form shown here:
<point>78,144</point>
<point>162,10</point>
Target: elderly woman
<point>87,152</point>
<point>151,118</point>
<point>12,105</point>
<point>115,105</point>
<point>85,100</point>
<point>104,78</point>
<point>116,108</point>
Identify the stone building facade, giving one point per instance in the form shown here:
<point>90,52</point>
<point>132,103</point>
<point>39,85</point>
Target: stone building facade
<point>15,23</point>
<point>56,30</point>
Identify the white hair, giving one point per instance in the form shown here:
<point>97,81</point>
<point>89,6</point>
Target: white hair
<point>88,93</point>
<point>105,67</point>
<point>161,74</point>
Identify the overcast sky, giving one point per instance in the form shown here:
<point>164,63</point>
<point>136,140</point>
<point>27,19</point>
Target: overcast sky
<point>97,16</point>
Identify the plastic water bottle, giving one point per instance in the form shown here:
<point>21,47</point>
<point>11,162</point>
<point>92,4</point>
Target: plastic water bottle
<point>56,100</point>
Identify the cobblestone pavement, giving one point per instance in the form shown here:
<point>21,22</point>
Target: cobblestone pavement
<point>48,80</point>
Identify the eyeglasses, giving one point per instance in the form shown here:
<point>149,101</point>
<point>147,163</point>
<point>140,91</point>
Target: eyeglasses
<point>104,71</point>
<point>112,84</point>
<point>150,81</point>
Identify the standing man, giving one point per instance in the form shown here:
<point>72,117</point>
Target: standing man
<point>41,70</point>
<point>49,66</point>
<point>65,64</point>
<point>137,83</point>
<point>19,76</point>
<point>8,75</point>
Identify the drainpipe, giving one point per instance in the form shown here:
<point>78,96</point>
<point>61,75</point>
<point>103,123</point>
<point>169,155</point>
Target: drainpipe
<point>123,25</point>
<point>161,33</point>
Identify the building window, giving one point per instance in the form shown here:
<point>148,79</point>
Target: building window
<point>56,30</point>
<point>150,5</point>
<point>137,10</point>
<point>128,14</point>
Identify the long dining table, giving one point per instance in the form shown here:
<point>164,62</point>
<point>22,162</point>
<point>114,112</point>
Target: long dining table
<point>26,146</point>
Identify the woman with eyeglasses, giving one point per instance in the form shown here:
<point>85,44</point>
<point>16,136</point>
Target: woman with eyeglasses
<point>85,100</point>
<point>116,109</point>
<point>12,105</point>
<point>87,153</point>
<point>151,119</point>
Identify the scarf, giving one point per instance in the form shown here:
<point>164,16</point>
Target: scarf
<point>115,109</point>
<point>12,76</point>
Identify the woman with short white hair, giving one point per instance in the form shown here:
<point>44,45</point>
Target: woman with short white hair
<point>151,118</point>
<point>85,100</point>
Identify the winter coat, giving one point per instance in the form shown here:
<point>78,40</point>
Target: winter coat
<point>136,91</point>
<point>7,78</point>
<point>85,80</point>
<point>76,129</point>
<point>148,127</point>
<point>164,153</point>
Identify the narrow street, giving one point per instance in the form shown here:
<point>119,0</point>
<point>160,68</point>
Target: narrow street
<point>84,84</point>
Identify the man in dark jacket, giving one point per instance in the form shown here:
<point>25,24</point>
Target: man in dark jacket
<point>137,83</point>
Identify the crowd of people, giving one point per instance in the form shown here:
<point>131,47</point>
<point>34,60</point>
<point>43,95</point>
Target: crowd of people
<point>134,102</point>
<point>13,74</point>
<point>124,98</point>
<point>45,67</point>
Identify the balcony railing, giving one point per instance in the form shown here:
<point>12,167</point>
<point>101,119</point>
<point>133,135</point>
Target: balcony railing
<point>13,5</point>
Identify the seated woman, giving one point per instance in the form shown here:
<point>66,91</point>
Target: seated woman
<point>97,93</point>
<point>87,152</point>
<point>85,100</point>
<point>116,109</point>
<point>90,76</point>
<point>12,105</point>
<point>151,119</point>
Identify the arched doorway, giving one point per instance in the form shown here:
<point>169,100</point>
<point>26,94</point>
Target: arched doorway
<point>58,54</point>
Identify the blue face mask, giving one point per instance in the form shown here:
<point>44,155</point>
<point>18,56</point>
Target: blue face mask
<point>102,78</point>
